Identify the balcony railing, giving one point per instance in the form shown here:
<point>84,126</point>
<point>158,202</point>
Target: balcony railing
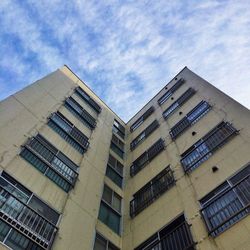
<point>151,191</point>
<point>26,220</point>
<point>206,146</point>
<point>179,239</point>
<point>88,99</point>
<point>227,208</point>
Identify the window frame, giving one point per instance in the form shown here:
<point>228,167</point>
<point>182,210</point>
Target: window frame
<point>186,122</point>
<point>141,119</point>
<point>108,243</point>
<point>170,92</point>
<point>54,154</point>
<point>17,223</point>
<point>89,100</point>
<point>111,208</point>
<point>72,133</point>
<point>147,157</point>
<point>178,103</point>
<point>144,134</point>
<point>82,114</point>
<point>204,151</point>
<point>220,193</point>
<point>154,194</point>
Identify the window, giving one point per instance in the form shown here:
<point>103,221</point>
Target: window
<point>73,106</point>
<point>178,103</point>
<point>119,129</point>
<point>228,203</point>
<point>102,244</point>
<point>115,171</point>
<point>26,222</point>
<point>170,92</point>
<point>110,209</point>
<point>69,132</point>
<point>140,120</point>
<point>151,191</point>
<point>174,236</point>
<point>191,118</point>
<point>146,157</point>
<point>93,104</point>
<point>50,161</point>
<point>117,146</point>
<point>144,134</point>
<point>206,146</point>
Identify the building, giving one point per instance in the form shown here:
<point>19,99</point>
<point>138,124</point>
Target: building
<point>75,176</point>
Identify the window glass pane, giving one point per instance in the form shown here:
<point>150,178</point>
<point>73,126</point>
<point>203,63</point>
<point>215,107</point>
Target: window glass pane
<point>116,202</point>
<point>112,161</point>
<point>119,167</point>
<point>4,229</point>
<point>43,209</point>
<point>16,192</point>
<point>100,243</point>
<point>107,194</point>
<point>109,217</point>
<point>116,178</point>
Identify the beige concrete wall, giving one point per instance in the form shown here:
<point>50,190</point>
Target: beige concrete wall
<point>184,196</point>
<point>25,113</point>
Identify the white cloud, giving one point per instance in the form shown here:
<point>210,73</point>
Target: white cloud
<point>127,51</point>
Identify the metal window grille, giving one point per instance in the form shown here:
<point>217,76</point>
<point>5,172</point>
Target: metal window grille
<point>141,119</point>
<point>227,204</point>
<point>170,92</point>
<point>206,146</point>
<point>151,191</point>
<point>93,104</point>
<point>179,102</point>
<point>69,132</point>
<point>174,236</point>
<point>73,106</point>
<point>191,118</point>
<point>27,223</point>
<point>146,157</point>
<point>50,161</point>
<point>144,134</point>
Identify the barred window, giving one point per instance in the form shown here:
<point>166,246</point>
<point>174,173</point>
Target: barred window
<point>118,129</point>
<point>110,209</point>
<point>69,132</point>
<point>174,236</point>
<point>141,119</point>
<point>228,203</point>
<point>144,134</point>
<point>90,101</point>
<point>19,207</point>
<point>115,171</point>
<point>151,191</point>
<point>102,244</point>
<point>146,157</point>
<point>178,103</point>
<point>50,161</point>
<point>191,118</point>
<point>73,106</point>
<point>170,92</point>
<point>207,145</point>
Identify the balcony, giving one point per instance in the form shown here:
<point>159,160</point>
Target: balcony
<point>26,220</point>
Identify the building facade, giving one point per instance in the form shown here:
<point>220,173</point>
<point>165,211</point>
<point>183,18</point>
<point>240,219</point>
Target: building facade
<point>74,176</point>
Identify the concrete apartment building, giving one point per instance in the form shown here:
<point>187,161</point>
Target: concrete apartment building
<point>74,176</point>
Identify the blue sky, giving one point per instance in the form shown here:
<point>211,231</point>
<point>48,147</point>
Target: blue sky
<point>126,51</point>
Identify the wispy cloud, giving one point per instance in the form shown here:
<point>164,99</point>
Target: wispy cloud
<point>126,51</point>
